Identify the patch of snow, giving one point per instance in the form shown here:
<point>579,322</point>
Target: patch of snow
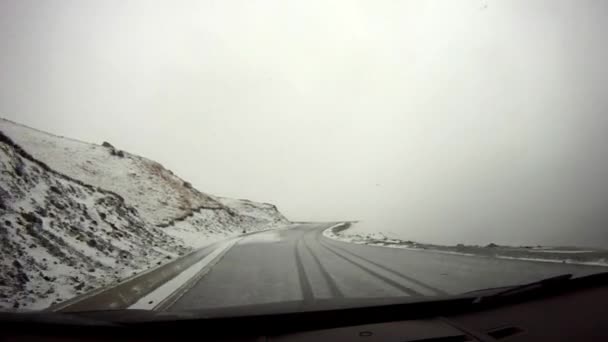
<point>90,216</point>
<point>259,211</point>
<point>379,240</point>
<point>600,262</point>
<point>560,251</point>
<point>55,244</point>
<point>156,192</point>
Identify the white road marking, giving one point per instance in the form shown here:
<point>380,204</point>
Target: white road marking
<point>152,299</point>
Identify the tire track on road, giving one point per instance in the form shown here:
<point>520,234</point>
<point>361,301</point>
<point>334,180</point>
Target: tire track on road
<point>373,273</point>
<point>413,280</point>
<point>333,287</point>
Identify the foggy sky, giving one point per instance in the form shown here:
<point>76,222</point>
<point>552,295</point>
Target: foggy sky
<point>438,121</point>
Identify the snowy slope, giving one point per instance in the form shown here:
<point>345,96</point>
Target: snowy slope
<point>60,238</point>
<point>77,216</point>
<point>159,196</point>
<point>154,191</point>
<point>253,210</point>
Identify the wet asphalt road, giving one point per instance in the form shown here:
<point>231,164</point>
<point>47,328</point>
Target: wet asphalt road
<point>299,263</point>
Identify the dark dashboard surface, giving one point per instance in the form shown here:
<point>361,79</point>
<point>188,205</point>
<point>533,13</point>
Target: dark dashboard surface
<point>574,311</point>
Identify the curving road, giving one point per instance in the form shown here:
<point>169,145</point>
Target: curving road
<point>300,264</point>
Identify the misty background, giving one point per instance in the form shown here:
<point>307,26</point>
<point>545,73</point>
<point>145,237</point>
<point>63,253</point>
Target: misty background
<point>436,121</point>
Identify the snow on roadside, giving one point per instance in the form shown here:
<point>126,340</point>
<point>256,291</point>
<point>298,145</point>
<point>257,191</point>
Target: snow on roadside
<point>154,298</point>
<point>559,251</point>
<point>256,211</point>
<point>599,262</point>
<point>77,216</point>
<point>204,227</point>
<point>154,191</point>
<point>342,232</point>
<point>60,238</point>
<point>209,225</point>
<point>330,233</point>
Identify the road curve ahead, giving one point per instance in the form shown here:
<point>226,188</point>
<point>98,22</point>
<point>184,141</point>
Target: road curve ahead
<point>300,264</point>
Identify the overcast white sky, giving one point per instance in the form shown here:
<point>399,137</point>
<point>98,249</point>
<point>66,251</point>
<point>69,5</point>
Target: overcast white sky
<point>440,121</point>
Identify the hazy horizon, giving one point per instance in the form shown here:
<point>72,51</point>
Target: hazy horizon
<point>443,122</point>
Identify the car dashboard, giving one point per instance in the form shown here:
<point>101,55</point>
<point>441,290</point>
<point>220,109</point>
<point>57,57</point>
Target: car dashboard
<point>575,312</point>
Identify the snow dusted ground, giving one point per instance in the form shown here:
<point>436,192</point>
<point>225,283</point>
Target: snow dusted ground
<point>356,233</point>
<point>61,238</point>
<point>252,210</point>
<point>154,191</point>
<point>207,225</point>
<point>76,216</point>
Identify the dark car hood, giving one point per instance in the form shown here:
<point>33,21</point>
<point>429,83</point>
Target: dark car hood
<point>278,308</point>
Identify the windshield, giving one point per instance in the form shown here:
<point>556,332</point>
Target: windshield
<point>210,155</point>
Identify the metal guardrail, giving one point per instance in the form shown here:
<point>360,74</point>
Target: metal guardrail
<point>128,291</point>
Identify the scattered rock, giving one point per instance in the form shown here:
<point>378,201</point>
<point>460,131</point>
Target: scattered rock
<point>57,204</point>
<point>31,217</point>
<point>20,168</point>
<point>41,212</point>
<point>23,278</point>
<point>107,144</point>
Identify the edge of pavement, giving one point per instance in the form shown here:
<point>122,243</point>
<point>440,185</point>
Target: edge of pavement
<point>170,292</point>
<point>127,293</point>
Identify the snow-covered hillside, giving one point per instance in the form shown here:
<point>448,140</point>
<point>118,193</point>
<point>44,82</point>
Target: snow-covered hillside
<point>158,195</point>
<point>154,191</point>
<point>75,216</point>
<point>252,210</point>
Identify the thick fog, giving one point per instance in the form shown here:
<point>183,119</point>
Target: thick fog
<point>437,121</point>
